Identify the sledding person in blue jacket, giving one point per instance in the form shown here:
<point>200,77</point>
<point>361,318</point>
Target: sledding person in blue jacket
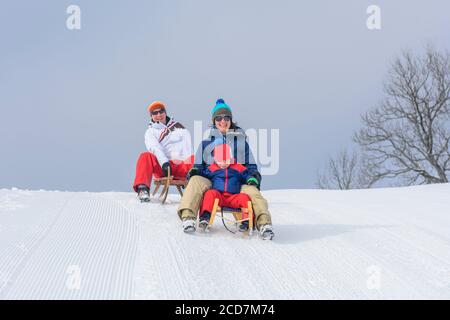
<point>226,177</point>
<point>224,130</point>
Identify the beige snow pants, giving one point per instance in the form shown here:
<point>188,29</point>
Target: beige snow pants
<point>197,186</point>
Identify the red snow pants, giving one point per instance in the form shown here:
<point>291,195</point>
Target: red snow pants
<point>147,167</point>
<point>236,201</point>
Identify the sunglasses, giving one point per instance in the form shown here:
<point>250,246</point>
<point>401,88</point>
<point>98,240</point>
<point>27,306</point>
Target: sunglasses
<point>154,113</point>
<point>219,118</point>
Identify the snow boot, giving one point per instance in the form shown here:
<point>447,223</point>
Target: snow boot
<point>203,223</point>
<point>188,225</point>
<point>243,226</point>
<point>266,232</point>
<point>143,193</point>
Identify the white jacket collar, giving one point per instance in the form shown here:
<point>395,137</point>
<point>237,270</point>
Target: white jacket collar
<point>158,125</point>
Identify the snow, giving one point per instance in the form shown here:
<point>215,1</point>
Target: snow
<point>363,244</point>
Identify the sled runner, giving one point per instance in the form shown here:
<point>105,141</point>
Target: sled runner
<point>166,182</point>
<point>242,215</point>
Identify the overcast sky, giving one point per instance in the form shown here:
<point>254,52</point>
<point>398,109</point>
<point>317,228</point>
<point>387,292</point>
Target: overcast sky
<point>73,102</point>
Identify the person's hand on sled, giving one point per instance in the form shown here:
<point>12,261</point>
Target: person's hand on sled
<point>165,169</point>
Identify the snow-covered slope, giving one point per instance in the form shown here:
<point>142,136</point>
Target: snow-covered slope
<point>381,243</point>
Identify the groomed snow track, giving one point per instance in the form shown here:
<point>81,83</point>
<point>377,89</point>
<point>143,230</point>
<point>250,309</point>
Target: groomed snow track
<point>368,244</point>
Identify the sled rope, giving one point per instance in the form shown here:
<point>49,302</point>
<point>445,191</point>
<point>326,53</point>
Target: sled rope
<point>223,221</point>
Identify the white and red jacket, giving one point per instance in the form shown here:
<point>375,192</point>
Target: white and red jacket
<point>171,141</point>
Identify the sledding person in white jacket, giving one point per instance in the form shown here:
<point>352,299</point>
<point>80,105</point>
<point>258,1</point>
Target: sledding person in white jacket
<point>169,146</point>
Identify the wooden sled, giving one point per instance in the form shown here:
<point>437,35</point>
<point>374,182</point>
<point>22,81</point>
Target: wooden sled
<point>166,182</point>
<point>237,216</point>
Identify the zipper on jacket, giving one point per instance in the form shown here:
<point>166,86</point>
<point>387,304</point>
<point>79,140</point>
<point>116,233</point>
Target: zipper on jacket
<point>226,180</point>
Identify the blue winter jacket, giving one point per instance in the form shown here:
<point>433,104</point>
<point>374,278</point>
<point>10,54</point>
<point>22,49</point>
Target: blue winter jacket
<point>227,180</point>
<point>237,139</point>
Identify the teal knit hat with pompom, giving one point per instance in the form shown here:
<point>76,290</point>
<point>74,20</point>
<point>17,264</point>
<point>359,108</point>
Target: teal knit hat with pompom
<point>221,109</point>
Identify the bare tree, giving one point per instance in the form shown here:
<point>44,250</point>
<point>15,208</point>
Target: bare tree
<point>344,171</point>
<point>407,136</point>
